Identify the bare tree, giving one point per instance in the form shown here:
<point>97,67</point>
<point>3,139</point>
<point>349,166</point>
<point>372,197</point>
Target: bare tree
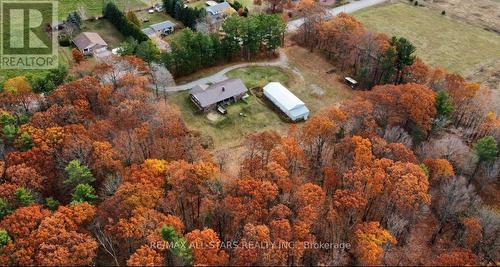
<point>221,157</point>
<point>160,77</point>
<point>490,222</point>
<point>105,241</point>
<point>398,135</point>
<point>454,196</point>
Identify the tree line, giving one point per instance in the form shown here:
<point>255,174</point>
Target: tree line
<point>122,23</point>
<point>241,36</point>
<point>185,14</point>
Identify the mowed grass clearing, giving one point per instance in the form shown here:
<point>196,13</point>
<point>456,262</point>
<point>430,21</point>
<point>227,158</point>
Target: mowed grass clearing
<point>440,40</point>
<point>230,129</point>
<point>94,7</point>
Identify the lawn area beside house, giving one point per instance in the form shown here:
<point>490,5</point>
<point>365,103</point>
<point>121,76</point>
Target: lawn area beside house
<point>156,17</point>
<point>230,129</point>
<point>257,76</point>
<point>440,40</point>
<point>197,4</point>
<point>94,7</point>
<point>106,30</point>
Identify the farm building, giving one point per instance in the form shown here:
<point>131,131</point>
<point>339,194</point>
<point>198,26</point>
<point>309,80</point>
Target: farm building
<point>226,92</point>
<point>286,101</point>
<point>88,42</point>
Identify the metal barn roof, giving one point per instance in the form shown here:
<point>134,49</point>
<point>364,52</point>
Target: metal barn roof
<point>281,94</point>
<point>285,100</point>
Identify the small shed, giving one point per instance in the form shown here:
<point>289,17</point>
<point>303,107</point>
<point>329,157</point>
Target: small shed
<point>221,93</point>
<point>286,101</point>
<point>351,82</point>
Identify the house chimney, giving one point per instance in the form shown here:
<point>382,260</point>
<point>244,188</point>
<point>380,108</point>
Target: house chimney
<point>223,89</point>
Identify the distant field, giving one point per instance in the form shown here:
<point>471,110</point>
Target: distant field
<point>94,7</point>
<point>440,41</point>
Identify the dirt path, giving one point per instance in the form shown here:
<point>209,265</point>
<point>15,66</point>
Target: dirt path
<point>282,61</point>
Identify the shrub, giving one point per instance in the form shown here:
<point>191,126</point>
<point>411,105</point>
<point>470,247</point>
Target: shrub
<point>416,3</point>
<point>443,12</point>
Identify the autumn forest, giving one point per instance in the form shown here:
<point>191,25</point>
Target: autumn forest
<point>104,171</point>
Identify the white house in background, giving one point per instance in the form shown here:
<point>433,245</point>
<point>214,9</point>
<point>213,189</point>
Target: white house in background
<point>286,101</point>
<point>88,42</point>
<point>162,28</point>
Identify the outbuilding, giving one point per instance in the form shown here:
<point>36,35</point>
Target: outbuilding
<point>286,101</point>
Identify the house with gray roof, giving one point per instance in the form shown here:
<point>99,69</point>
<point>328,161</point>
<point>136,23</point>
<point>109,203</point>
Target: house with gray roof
<point>88,42</point>
<point>162,28</point>
<point>207,97</point>
<point>221,9</point>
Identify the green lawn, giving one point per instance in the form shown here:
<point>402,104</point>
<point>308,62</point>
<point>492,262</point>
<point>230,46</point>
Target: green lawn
<point>260,76</point>
<point>106,30</point>
<point>197,4</point>
<point>156,18</point>
<point>94,7</point>
<point>440,40</point>
<point>229,130</point>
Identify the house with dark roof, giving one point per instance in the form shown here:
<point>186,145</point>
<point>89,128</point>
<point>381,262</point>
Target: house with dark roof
<point>162,28</point>
<point>207,97</point>
<point>88,42</point>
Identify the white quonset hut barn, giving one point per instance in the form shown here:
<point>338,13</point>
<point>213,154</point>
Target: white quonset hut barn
<point>286,101</point>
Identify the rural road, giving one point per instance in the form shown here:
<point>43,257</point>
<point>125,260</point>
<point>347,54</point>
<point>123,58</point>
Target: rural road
<point>282,61</point>
<point>293,25</point>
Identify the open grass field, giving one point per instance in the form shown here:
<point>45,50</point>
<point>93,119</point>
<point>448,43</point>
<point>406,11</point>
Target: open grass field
<point>311,83</point>
<point>94,7</point>
<point>440,40</point>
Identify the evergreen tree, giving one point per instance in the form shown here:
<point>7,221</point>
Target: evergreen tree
<point>486,149</point>
<point>77,174</point>
<point>180,247</point>
<point>24,196</point>
<point>4,238</point>
<point>5,208</point>
<point>83,193</point>
<point>444,105</point>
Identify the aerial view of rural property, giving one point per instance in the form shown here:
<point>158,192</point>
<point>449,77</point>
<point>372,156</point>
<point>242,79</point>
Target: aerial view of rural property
<point>249,132</point>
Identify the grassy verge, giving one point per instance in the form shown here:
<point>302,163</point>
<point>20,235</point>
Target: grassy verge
<point>440,40</point>
<point>257,76</point>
